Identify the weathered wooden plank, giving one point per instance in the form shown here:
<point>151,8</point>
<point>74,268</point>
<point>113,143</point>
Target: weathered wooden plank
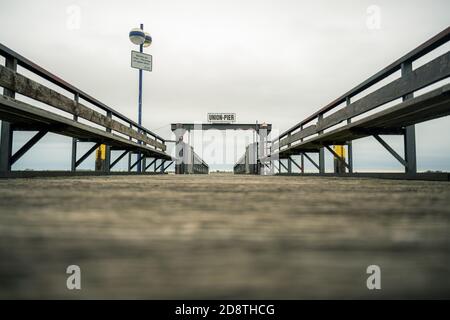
<point>418,52</point>
<point>431,105</point>
<point>310,130</point>
<point>69,127</point>
<point>427,74</point>
<point>32,89</point>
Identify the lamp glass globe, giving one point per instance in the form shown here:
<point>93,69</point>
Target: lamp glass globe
<point>148,40</point>
<point>137,36</point>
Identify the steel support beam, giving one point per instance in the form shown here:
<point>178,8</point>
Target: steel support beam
<point>275,167</point>
<point>282,165</point>
<point>289,164</point>
<point>138,160</point>
<point>296,164</point>
<point>170,163</point>
<point>108,148</point>
<point>349,144</point>
<point>410,149</point>
<point>302,162</point>
<point>410,131</point>
<point>6,147</point>
<point>321,160</point>
<point>321,150</point>
<point>27,146</point>
<point>118,159</point>
<point>87,154</point>
<point>148,166</point>
<point>73,166</point>
<point>161,164</point>
<point>129,161</point>
<point>389,148</point>
<point>302,157</point>
<point>311,160</point>
<point>6,138</point>
<point>129,154</point>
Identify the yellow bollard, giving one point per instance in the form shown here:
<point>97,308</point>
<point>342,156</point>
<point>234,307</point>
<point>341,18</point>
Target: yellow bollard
<point>339,167</point>
<point>100,157</point>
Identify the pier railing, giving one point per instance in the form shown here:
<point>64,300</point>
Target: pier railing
<point>349,106</point>
<point>119,132</point>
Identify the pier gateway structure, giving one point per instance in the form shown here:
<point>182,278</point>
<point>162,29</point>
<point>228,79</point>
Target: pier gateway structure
<point>189,162</point>
<point>417,95</point>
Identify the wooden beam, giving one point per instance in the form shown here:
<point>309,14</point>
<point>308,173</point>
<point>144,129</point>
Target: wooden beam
<point>432,72</point>
<point>32,89</point>
<point>22,111</point>
<point>310,130</point>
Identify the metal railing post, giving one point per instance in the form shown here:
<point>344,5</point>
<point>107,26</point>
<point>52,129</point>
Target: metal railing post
<point>73,166</point>
<point>107,147</point>
<point>289,162</point>
<point>6,138</point>
<point>129,154</point>
<point>410,131</point>
<point>321,150</point>
<point>349,143</point>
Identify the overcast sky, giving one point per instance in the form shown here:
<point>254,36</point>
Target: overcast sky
<point>267,61</point>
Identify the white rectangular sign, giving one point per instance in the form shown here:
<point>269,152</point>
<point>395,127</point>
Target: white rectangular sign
<point>221,117</point>
<point>141,61</point>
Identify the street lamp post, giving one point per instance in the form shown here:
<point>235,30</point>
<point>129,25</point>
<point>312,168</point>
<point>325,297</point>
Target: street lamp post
<point>143,39</point>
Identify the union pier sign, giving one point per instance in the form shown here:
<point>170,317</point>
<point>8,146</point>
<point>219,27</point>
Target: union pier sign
<point>221,117</point>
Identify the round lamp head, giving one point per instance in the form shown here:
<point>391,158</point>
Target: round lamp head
<point>148,40</point>
<point>137,36</point>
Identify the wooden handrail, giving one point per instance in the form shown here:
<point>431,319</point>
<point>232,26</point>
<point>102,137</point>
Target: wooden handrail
<point>18,83</point>
<point>426,47</point>
<point>38,70</point>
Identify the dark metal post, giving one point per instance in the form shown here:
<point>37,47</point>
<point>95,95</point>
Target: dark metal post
<point>302,157</point>
<point>73,166</point>
<point>6,139</point>
<point>349,144</point>
<point>129,154</point>
<point>141,47</point>
<point>108,148</point>
<point>262,131</point>
<point>410,131</point>
<point>321,152</point>
<point>289,163</point>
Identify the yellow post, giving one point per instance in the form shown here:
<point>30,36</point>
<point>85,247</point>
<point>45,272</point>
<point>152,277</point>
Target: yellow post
<point>339,167</point>
<point>100,157</point>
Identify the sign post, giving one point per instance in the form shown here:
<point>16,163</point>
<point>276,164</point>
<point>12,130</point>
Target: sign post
<point>141,61</point>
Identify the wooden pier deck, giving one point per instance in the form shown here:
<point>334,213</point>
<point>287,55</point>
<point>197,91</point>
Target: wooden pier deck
<point>224,236</point>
